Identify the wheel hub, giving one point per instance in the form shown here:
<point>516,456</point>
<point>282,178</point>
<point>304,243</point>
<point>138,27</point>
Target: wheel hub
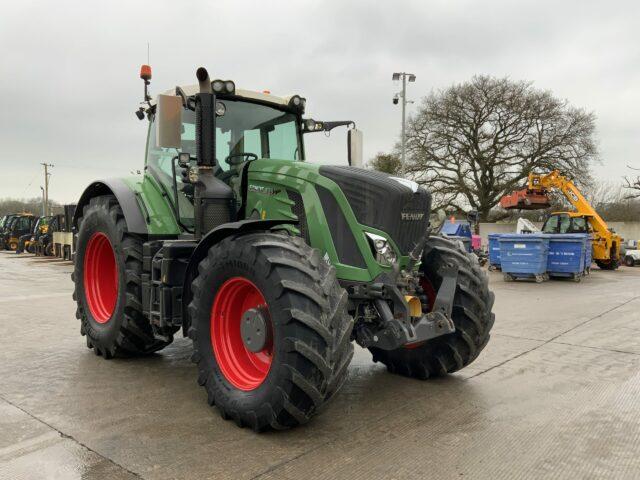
<point>253,329</point>
<point>241,333</point>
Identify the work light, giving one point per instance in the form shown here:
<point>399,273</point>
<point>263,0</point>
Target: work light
<point>217,86</point>
<point>297,102</point>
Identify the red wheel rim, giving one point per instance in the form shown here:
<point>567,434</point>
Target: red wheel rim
<point>100,277</point>
<point>243,368</point>
<point>430,293</point>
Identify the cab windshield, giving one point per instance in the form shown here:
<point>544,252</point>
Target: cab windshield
<point>246,131</point>
<point>252,128</point>
<point>563,223</point>
<point>245,128</point>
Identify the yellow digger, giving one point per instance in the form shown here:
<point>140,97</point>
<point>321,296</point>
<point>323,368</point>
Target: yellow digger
<point>606,243</point>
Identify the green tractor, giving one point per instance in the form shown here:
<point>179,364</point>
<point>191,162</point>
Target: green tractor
<point>271,265</point>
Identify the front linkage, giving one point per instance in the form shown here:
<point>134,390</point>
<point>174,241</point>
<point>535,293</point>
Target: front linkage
<point>402,320</point>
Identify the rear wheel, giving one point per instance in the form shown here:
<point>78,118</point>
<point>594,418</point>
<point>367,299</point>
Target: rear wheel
<point>107,269</point>
<point>629,261</point>
<point>471,315</point>
<point>270,330</point>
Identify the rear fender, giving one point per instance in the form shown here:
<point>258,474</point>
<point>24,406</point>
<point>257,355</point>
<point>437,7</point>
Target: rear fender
<point>210,239</point>
<point>126,197</point>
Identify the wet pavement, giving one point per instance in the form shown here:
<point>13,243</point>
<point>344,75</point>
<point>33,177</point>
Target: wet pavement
<point>556,394</point>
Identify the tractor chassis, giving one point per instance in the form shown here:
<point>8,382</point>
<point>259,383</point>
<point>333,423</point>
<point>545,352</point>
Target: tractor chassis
<point>165,272</point>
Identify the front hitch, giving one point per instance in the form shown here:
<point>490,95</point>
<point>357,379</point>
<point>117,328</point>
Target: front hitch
<point>400,328</point>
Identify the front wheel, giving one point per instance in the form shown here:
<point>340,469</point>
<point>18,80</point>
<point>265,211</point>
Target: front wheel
<point>270,330</point>
<point>471,315</point>
<point>629,261</point>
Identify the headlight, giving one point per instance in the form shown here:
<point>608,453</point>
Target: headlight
<point>229,86</point>
<point>382,249</point>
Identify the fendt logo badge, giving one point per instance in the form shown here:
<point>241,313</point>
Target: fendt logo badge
<point>411,216</point>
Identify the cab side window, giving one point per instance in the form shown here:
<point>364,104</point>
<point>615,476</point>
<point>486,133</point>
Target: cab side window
<point>579,225</point>
<point>160,163</point>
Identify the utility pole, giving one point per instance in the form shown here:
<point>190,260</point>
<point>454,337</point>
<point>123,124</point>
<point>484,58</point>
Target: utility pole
<point>46,186</point>
<point>411,78</point>
<point>43,207</point>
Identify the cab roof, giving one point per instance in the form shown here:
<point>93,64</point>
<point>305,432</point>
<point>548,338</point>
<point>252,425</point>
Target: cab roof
<point>572,214</point>
<point>190,90</point>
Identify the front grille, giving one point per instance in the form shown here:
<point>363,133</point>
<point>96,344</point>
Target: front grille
<point>214,213</point>
<point>298,211</point>
<point>379,201</point>
<point>342,236</point>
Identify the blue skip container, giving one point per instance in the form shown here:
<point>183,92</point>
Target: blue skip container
<point>567,255</point>
<point>524,256</point>
<point>588,260</point>
<point>494,250</point>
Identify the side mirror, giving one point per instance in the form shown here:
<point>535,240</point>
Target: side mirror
<point>354,145</point>
<point>168,121</point>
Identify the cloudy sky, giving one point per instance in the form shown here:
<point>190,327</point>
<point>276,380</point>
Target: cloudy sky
<point>69,70</point>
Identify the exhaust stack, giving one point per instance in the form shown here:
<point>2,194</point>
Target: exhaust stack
<point>203,80</point>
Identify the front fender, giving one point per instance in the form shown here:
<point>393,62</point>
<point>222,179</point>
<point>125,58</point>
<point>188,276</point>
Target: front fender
<point>126,197</point>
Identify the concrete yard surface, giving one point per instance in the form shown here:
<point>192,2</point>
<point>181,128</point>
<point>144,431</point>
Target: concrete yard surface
<point>556,394</point>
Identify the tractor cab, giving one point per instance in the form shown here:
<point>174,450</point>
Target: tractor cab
<point>566,222</point>
<point>247,126</point>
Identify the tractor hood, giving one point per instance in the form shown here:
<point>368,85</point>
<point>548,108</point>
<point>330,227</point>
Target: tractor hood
<point>394,205</point>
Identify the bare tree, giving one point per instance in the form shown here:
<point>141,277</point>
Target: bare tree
<point>386,162</point>
<point>474,142</point>
<point>29,205</point>
<point>632,184</point>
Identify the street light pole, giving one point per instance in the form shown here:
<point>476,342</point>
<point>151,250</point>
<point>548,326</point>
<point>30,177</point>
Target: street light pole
<point>404,119</point>
<point>411,78</point>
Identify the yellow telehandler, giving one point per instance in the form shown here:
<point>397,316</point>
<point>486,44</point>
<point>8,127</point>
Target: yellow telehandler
<point>606,243</point>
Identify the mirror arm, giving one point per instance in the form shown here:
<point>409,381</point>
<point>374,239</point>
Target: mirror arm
<point>328,126</point>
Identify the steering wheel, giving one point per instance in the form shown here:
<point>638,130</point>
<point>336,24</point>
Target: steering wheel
<point>245,157</point>
<point>232,172</point>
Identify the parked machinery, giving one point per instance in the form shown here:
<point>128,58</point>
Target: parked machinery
<point>44,238</point>
<point>606,243</point>
<point>63,238</point>
<point>28,241</point>
<point>17,226</point>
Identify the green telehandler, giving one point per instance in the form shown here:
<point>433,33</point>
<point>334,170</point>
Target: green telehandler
<point>271,265</point>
